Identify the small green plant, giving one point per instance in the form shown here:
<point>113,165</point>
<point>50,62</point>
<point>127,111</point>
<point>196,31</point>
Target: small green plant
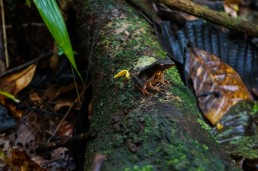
<point>28,3</point>
<point>51,15</point>
<point>10,96</point>
<point>255,107</point>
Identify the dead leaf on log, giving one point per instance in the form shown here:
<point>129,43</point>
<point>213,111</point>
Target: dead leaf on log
<point>216,84</point>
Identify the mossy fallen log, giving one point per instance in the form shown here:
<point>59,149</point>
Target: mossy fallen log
<point>163,131</point>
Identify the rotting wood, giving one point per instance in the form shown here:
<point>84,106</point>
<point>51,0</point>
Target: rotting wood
<point>212,16</point>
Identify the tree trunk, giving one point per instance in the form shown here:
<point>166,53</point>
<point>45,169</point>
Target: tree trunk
<point>163,131</point>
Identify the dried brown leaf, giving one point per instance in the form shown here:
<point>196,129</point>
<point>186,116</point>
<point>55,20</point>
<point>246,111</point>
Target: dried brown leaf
<point>14,84</point>
<point>23,161</point>
<point>216,84</point>
<point>18,81</point>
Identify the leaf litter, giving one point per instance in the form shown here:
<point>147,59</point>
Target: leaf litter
<point>46,92</point>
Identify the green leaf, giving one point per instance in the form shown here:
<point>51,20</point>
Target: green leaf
<point>10,96</point>
<point>54,21</point>
<point>60,51</point>
<point>28,3</point>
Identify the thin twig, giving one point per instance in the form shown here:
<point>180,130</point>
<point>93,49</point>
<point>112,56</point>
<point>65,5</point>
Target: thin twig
<point>27,25</point>
<point>4,34</point>
<point>76,86</point>
<point>23,66</point>
<point>67,112</point>
<point>93,43</point>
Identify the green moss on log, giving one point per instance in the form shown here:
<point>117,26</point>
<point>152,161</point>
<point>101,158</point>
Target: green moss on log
<point>136,132</point>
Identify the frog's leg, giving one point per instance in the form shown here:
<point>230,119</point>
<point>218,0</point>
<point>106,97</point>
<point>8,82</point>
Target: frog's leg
<point>143,89</point>
<point>152,87</point>
<point>140,85</point>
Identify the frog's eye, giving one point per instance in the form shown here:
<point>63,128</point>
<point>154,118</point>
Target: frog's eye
<point>123,73</point>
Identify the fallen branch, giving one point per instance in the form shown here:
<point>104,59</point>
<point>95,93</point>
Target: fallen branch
<point>212,16</point>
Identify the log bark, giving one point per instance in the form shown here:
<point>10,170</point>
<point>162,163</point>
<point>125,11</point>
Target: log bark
<point>212,16</point>
<point>163,131</point>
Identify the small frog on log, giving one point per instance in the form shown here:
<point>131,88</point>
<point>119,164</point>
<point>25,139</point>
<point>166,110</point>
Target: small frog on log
<point>152,76</point>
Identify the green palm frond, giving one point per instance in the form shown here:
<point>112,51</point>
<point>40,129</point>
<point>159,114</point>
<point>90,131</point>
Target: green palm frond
<point>54,21</point>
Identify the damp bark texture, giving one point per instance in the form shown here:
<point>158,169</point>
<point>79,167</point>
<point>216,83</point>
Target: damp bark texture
<point>163,131</point>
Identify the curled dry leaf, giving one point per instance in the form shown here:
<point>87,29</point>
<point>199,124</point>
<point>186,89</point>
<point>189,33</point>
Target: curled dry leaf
<point>216,84</point>
<point>15,83</point>
<point>18,81</point>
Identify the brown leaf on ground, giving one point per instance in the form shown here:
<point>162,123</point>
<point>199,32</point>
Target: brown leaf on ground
<point>217,85</point>
<point>18,81</point>
<point>14,84</point>
<point>53,92</point>
<point>35,97</point>
<point>22,161</point>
